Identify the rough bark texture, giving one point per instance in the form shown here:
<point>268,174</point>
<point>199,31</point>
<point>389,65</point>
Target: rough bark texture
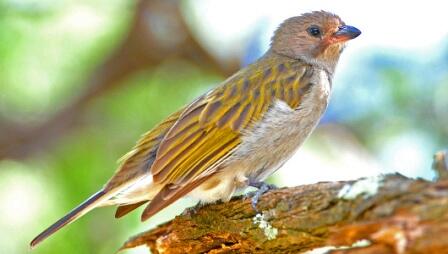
<point>402,215</point>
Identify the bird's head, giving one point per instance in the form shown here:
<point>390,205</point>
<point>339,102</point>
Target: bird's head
<point>316,37</point>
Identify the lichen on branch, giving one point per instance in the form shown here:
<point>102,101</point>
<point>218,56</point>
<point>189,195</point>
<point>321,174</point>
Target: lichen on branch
<point>402,215</point>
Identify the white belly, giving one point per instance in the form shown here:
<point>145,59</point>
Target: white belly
<point>269,144</point>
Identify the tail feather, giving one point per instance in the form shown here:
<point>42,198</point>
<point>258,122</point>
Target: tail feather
<point>125,209</point>
<point>86,206</point>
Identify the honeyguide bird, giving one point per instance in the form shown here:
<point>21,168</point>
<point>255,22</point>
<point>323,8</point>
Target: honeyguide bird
<point>235,135</point>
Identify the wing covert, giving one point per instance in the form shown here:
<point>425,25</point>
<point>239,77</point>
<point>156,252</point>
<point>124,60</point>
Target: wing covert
<point>210,128</point>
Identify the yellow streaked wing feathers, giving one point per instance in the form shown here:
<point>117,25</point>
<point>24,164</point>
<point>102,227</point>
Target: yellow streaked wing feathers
<point>210,128</point>
<point>139,160</point>
<point>190,147</point>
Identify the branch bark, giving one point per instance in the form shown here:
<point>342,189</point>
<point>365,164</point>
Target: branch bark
<point>385,215</point>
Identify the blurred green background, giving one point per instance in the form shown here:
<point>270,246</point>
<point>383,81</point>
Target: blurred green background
<point>80,81</point>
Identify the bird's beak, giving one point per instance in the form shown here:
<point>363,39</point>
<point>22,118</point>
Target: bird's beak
<point>345,33</point>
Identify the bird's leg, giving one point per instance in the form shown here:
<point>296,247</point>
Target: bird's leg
<point>193,209</point>
<point>262,188</point>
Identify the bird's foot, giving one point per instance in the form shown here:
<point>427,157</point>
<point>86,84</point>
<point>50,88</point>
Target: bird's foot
<point>194,209</point>
<point>262,189</point>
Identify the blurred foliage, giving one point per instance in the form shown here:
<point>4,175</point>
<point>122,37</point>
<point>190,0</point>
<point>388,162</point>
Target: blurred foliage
<point>48,47</point>
<point>47,51</point>
<point>402,110</point>
<point>396,105</point>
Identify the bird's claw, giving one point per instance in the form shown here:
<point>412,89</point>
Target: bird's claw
<point>255,195</point>
<point>193,209</point>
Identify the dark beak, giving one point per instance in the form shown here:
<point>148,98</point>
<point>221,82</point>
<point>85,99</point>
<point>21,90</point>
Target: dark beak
<point>346,33</point>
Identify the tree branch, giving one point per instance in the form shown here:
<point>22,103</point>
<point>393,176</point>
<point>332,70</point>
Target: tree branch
<point>389,214</point>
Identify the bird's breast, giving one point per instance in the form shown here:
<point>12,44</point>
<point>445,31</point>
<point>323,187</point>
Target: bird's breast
<point>270,143</point>
<point>282,130</point>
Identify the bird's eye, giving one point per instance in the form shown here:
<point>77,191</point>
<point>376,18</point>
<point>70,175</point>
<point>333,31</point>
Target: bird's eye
<point>314,31</point>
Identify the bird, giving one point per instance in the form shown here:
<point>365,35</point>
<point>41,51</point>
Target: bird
<point>235,135</point>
